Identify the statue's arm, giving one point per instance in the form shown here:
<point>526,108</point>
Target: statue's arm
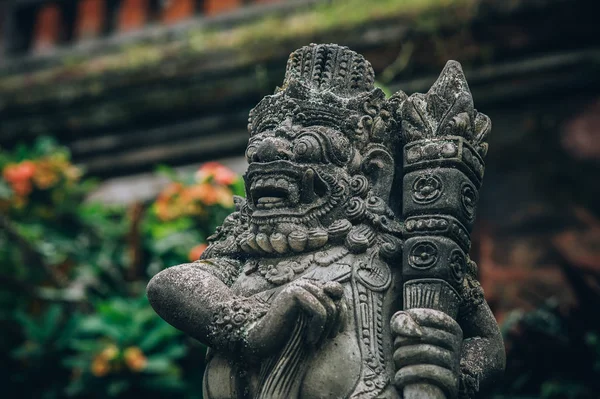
<point>196,298</point>
<point>483,358</point>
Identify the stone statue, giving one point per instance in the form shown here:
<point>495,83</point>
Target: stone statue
<point>345,272</point>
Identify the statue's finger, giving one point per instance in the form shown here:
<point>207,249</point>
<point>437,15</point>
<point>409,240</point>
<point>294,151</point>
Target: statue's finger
<point>325,299</point>
<point>317,315</point>
<point>343,314</point>
<point>446,379</point>
<point>340,319</point>
<point>402,323</point>
<point>328,303</point>
<point>434,318</point>
<point>334,289</point>
<point>431,336</point>
<point>425,354</point>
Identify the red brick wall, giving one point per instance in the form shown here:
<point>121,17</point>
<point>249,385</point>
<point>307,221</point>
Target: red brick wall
<point>47,28</point>
<point>133,14</point>
<point>91,17</point>
<point>177,10</point>
<point>90,21</point>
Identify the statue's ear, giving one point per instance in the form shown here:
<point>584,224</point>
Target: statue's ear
<point>378,167</point>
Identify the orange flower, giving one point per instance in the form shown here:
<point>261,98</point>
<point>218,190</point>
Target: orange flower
<point>162,211</point>
<point>206,193</point>
<point>135,359</point>
<point>165,203</point>
<point>220,174</point>
<point>22,187</point>
<point>45,176</point>
<point>72,173</point>
<point>225,197</point>
<point>171,190</point>
<point>109,353</point>
<point>196,252</point>
<point>100,366</point>
<point>19,172</point>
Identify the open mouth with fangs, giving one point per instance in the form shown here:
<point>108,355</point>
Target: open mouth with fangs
<point>270,192</point>
<point>278,188</point>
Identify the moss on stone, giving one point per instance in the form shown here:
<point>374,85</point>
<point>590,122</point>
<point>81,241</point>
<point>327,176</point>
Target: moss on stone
<point>139,61</point>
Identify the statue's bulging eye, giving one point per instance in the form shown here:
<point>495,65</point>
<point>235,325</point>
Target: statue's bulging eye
<point>251,152</point>
<point>301,149</point>
<point>307,149</point>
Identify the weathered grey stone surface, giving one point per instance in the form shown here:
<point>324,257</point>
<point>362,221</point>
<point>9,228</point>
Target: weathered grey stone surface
<point>345,273</point>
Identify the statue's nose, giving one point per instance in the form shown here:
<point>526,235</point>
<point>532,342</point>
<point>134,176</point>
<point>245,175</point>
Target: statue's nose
<point>273,150</point>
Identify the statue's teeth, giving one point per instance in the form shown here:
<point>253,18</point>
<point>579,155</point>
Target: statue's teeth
<point>263,242</point>
<point>279,243</point>
<point>252,242</point>
<point>282,183</point>
<point>245,247</point>
<point>297,240</point>
<point>270,200</point>
<point>317,238</point>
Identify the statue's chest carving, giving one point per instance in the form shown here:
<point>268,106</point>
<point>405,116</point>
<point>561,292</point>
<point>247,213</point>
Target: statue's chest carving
<point>269,274</point>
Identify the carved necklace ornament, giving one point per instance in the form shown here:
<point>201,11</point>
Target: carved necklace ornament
<point>279,272</point>
<point>344,273</point>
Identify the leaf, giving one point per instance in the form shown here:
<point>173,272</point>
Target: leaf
<point>165,383</point>
<point>26,350</point>
<point>45,145</point>
<point>158,365</point>
<point>115,388</point>
<point>51,318</point>
<point>76,362</point>
<point>175,352</point>
<point>5,190</point>
<point>167,171</point>
<point>156,336</point>
<point>85,345</point>
<point>94,325</point>
<point>29,325</point>
<point>144,315</point>
<point>75,387</point>
<point>239,187</point>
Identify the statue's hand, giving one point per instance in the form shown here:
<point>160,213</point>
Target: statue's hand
<point>321,303</point>
<point>427,348</point>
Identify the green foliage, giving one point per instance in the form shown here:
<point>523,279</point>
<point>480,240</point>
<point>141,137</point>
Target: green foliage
<point>124,349</point>
<point>73,310</point>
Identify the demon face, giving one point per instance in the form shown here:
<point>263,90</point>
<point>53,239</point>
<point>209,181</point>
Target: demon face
<point>298,175</point>
<point>321,160</point>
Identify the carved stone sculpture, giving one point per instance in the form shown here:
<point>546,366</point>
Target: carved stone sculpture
<point>345,272</point>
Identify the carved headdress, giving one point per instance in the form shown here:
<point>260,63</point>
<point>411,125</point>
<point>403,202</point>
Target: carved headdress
<point>328,85</point>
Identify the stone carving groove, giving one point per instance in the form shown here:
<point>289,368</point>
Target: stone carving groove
<point>330,279</point>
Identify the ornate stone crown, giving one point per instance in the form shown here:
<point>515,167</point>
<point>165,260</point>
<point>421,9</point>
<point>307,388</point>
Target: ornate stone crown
<point>327,85</point>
